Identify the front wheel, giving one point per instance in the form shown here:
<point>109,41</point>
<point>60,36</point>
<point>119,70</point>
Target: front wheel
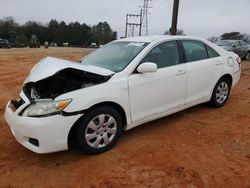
<point>220,93</point>
<point>99,130</point>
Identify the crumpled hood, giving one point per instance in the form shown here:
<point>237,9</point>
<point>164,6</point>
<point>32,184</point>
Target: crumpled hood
<point>49,66</point>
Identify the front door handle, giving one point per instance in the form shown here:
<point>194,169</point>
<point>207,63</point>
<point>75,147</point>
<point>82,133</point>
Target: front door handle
<point>180,72</point>
<point>218,63</point>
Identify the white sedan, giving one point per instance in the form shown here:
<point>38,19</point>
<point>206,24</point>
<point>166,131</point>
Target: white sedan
<point>124,84</point>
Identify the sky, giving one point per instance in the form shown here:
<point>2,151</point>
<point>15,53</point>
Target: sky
<point>203,18</point>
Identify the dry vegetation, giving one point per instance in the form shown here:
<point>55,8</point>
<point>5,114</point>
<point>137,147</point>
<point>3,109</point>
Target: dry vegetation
<point>199,147</point>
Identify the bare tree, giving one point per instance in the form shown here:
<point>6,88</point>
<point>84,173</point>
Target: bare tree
<point>246,37</point>
<point>232,36</point>
<point>213,39</point>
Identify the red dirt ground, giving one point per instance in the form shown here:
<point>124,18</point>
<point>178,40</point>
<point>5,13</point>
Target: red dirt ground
<point>198,147</point>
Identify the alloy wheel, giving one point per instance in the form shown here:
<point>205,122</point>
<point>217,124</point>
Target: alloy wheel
<point>222,92</point>
<point>100,131</point>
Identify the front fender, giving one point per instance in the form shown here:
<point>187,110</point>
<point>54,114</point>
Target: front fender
<point>111,91</point>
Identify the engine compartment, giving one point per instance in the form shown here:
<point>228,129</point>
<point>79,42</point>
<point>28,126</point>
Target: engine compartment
<point>64,81</point>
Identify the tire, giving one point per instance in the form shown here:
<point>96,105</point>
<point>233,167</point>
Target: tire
<point>247,56</point>
<point>221,93</point>
<point>99,130</point>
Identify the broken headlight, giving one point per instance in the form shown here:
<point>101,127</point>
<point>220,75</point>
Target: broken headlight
<point>44,108</point>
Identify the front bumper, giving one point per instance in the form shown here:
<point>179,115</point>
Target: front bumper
<point>50,132</point>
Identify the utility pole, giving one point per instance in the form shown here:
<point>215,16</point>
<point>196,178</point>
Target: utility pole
<point>145,13</point>
<point>140,30</point>
<point>132,25</point>
<point>173,29</point>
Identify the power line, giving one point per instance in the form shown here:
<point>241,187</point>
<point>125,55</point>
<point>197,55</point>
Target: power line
<point>142,23</point>
<point>143,19</point>
<point>133,24</point>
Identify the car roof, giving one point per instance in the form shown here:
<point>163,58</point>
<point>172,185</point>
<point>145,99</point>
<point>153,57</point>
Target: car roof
<point>149,39</point>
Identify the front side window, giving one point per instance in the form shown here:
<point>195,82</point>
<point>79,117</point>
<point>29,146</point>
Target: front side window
<point>164,55</point>
<point>115,56</point>
<point>194,50</point>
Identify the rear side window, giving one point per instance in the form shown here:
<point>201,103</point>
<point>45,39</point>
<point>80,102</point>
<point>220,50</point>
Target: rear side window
<point>164,55</point>
<point>194,50</point>
<point>211,52</point>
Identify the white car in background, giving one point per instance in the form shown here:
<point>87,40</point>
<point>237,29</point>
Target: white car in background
<point>124,84</point>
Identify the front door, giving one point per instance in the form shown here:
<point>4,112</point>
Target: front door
<point>155,93</point>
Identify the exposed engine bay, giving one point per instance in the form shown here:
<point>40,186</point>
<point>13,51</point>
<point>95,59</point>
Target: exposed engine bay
<point>64,81</point>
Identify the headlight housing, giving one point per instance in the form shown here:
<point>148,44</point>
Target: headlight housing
<point>45,108</point>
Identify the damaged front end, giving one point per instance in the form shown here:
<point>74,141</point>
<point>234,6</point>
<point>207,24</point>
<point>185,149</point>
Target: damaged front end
<point>53,77</point>
<point>62,82</point>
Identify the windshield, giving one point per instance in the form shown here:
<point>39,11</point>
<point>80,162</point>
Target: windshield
<point>225,43</point>
<point>115,56</point>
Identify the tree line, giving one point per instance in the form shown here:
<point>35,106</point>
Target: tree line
<point>226,36</point>
<point>231,36</point>
<point>74,33</point>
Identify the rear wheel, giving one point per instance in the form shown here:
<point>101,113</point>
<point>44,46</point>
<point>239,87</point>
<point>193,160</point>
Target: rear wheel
<point>220,93</point>
<point>99,130</point>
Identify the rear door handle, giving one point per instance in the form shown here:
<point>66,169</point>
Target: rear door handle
<point>180,72</point>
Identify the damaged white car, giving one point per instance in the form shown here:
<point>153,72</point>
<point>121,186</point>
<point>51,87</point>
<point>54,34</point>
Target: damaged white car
<point>124,84</point>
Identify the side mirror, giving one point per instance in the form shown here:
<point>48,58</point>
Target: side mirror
<point>147,67</point>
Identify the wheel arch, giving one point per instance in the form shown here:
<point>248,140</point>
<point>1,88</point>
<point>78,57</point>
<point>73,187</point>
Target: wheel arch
<point>228,76</point>
<point>119,108</point>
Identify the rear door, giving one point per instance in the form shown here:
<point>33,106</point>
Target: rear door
<point>204,66</point>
